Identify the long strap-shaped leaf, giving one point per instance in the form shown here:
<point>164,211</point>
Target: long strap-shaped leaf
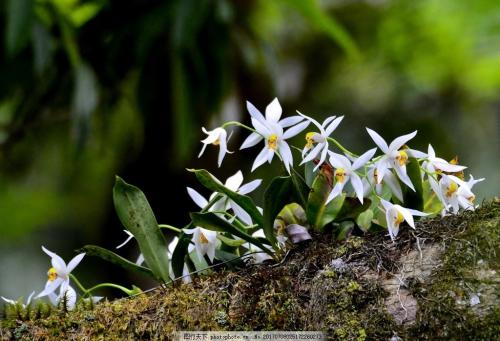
<point>210,182</point>
<point>137,216</point>
<point>212,222</point>
<point>110,256</point>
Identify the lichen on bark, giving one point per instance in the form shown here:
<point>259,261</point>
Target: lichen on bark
<point>439,281</point>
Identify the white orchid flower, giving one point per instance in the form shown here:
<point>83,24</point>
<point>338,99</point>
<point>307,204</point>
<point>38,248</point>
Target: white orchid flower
<point>205,242</point>
<point>454,192</point>
<point>433,163</point>
<point>217,137</point>
<point>345,172</point>
<point>258,255</point>
<point>28,301</point>
<point>69,294</point>
<point>396,214</point>
<point>270,129</point>
<point>389,179</point>
<point>234,183</point>
<point>58,274</point>
<point>394,157</point>
<point>321,139</point>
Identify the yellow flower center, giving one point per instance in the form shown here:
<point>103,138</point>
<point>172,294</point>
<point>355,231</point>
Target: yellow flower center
<point>216,142</point>
<point>203,239</point>
<point>402,157</point>
<point>272,142</point>
<point>454,161</point>
<point>339,175</point>
<point>471,198</point>
<point>309,139</point>
<point>52,274</point>
<point>451,189</point>
<point>398,219</point>
<point>375,175</point>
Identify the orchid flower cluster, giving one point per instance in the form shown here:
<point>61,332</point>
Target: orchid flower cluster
<point>331,189</point>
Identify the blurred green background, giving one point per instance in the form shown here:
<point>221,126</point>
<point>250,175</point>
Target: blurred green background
<point>90,89</point>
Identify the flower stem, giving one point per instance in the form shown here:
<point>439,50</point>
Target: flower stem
<point>78,284</point>
<point>341,147</point>
<point>110,285</point>
<point>169,227</point>
<point>236,123</point>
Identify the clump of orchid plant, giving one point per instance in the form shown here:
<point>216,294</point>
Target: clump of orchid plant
<point>331,189</point>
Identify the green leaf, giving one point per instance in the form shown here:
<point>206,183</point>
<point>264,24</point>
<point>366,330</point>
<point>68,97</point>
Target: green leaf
<point>301,188</point>
<point>212,222</point>
<point>323,21</point>
<point>179,254</point>
<point>279,193</point>
<point>319,214</point>
<point>343,230</point>
<point>309,173</point>
<point>110,256</point>
<point>352,208</point>
<point>210,182</point>
<point>413,199</point>
<point>293,214</point>
<point>364,220</point>
<point>230,242</point>
<point>137,216</point>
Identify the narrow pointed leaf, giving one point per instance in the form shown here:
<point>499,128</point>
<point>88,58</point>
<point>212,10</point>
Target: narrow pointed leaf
<point>137,216</point>
<point>301,188</point>
<point>279,193</point>
<point>110,256</point>
<point>318,214</point>
<point>210,182</point>
<point>180,253</point>
<point>230,242</point>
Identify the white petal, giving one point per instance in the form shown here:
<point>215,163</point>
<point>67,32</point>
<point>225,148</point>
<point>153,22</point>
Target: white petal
<point>331,128</point>
<point>222,150</point>
<point>197,198</point>
<point>406,214</point>
<point>363,159</point>
<point>291,132</point>
<point>431,152</point>
<point>393,183</point>
<point>387,205</point>
<point>8,300</point>
<point>261,158</point>
<point>358,186</point>
<point>50,287</point>
<point>290,121</point>
<point>382,167</point>
<point>337,189</point>
<point>74,262</point>
<point>417,213</point>
<point>250,187</point>
<point>234,182</point>
<point>30,297</point>
<point>140,259</point>
<point>400,141</point>
<point>447,167</point>
<point>254,112</point>
<point>202,150</point>
<point>251,140</point>
<point>416,153</point>
<point>379,141</point>
<point>401,172</point>
<point>241,213</point>
<point>286,154</point>
<point>322,159</point>
<point>130,236</point>
<point>70,295</point>
<point>313,153</point>
<point>273,111</point>
<point>340,161</point>
<point>316,123</point>
<point>213,135</point>
<point>261,127</point>
<point>437,189</point>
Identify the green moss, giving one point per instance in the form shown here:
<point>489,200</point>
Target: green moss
<point>311,291</point>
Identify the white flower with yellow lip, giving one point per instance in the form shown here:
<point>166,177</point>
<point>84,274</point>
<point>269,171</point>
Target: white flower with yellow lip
<point>58,274</point>
<point>437,164</point>
<point>396,214</point>
<point>394,157</point>
<point>270,129</point>
<point>68,295</point>
<point>389,179</point>
<point>320,139</point>
<point>454,192</point>
<point>205,242</point>
<point>217,137</point>
<point>345,172</point>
